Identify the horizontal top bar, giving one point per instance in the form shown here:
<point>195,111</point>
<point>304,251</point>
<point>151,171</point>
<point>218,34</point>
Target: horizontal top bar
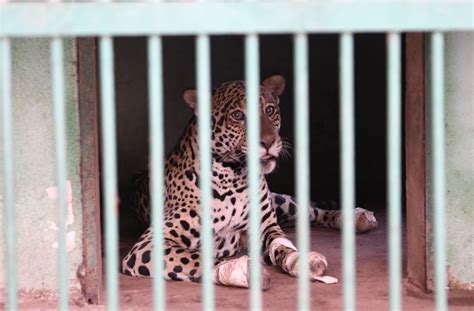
<point>187,18</point>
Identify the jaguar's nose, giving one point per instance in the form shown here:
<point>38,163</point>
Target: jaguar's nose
<point>267,133</point>
<point>267,141</point>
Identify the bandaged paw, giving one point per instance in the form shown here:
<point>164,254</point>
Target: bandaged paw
<point>317,264</point>
<point>236,272</point>
<point>364,220</point>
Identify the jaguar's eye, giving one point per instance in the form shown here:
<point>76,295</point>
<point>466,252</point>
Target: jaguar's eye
<point>269,110</point>
<point>237,115</point>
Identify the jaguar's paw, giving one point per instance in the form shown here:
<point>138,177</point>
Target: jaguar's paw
<point>236,272</point>
<point>317,264</point>
<point>364,220</point>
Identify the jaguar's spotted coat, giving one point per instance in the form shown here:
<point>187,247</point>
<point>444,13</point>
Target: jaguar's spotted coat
<point>229,185</point>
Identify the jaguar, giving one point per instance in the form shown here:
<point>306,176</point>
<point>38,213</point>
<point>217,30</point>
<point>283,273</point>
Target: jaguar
<point>230,203</point>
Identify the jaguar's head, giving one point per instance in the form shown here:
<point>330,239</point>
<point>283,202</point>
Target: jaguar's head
<point>229,139</point>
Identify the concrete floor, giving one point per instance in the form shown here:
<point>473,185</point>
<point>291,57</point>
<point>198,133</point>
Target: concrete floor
<point>372,290</point>
<point>372,285</point>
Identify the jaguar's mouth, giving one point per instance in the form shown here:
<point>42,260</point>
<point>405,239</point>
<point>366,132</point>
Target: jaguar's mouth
<point>268,157</point>
<point>268,163</point>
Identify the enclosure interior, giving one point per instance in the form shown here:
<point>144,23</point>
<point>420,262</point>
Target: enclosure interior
<point>276,57</point>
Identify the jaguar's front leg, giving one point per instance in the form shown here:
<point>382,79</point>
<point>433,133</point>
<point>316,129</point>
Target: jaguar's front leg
<point>278,250</point>
<point>282,253</point>
<point>286,209</point>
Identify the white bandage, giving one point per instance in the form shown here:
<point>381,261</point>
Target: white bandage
<point>325,279</point>
<point>290,262</point>
<point>232,272</point>
<point>277,243</point>
<point>291,258</point>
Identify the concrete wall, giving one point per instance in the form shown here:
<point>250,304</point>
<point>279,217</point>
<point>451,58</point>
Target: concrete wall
<point>460,158</point>
<point>36,212</point>
<point>459,126</point>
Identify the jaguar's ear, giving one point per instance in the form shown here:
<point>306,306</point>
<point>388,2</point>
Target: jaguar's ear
<point>275,84</point>
<point>190,97</point>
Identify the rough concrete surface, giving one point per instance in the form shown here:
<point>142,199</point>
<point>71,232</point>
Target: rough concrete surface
<point>459,155</point>
<point>35,205</point>
<point>372,288</point>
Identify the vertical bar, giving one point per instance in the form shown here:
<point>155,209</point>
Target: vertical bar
<point>155,87</point>
<point>8,172</point>
<point>394,128</point>
<point>109,176</point>
<point>57,72</point>
<point>347,166</point>
<point>302,166</point>
<point>204,136</point>
<point>438,167</point>
<point>253,141</point>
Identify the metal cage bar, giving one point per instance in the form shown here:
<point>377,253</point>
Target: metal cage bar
<point>155,88</point>
<point>347,167</point>
<point>233,17</point>
<point>8,173</point>
<point>438,168</point>
<point>253,141</point>
<point>302,165</point>
<point>394,152</point>
<point>203,56</point>
<point>57,79</point>
<point>109,175</point>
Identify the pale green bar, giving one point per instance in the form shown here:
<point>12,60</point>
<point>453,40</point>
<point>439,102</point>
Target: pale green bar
<point>155,89</point>
<point>57,79</point>
<point>394,151</point>
<point>8,173</point>
<point>253,141</point>
<point>109,170</point>
<point>438,168</point>
<point>204,135</point>
<point>347,167</point>
<point>302,166</point>
<point>234,17</point>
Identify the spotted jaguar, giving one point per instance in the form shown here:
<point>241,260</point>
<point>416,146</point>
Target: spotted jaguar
<point>230,203</point>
